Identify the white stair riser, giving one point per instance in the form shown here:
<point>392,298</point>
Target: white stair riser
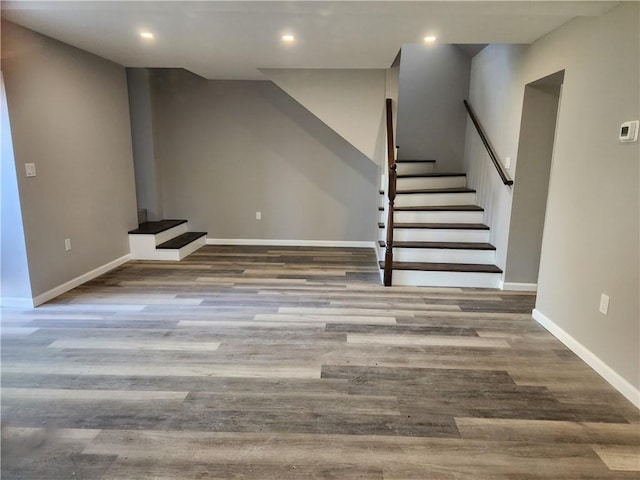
<point>414,168</point>
<point>142,245</point>
<point>427,199</point>
<point>442,255</point>
<point>434,217</point>
<point>438,235</point>
<point>175,254</point>
<point>431,182</point>
<point>446,279</point>
<point>171,233</point>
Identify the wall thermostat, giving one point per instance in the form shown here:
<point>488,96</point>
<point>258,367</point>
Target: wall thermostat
<point>629,131</point>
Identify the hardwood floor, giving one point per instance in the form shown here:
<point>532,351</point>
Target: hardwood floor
<point>294,363</point>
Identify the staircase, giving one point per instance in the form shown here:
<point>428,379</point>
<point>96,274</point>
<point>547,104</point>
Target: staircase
<point>438,236</point>
<point>164,240</point>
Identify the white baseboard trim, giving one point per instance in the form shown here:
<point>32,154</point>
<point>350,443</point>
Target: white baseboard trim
<point>16,302</point>
<point>519,287</point>
<point>379,258</point>
<point>289,243</point>
<point>85,277</point>
<point>605,371</point>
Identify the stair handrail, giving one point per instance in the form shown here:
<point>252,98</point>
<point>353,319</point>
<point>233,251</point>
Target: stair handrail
<point>391,190</point>
<point>494,158</point>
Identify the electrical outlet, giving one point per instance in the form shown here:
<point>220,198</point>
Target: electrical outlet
<point>30,169</point>
<point>258,215</point>
<point>507,162</point>
<point>604,304</point>
<point>67,244</point>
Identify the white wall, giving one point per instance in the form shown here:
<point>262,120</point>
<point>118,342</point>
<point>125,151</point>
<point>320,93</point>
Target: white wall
<point>496,96</point>
<point>230,148</point>
<point>591,234</point>
<point>434,80</point>
<point>351,102</point>
<point>69,115</point>
<point>15,286</point>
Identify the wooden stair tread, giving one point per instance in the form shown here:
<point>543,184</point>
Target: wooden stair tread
<point>435,190</point>
<point>438,208</point>
<point>415,161</point>
<point>181,240</point>
<point>430,175</point>
<point>441,245</point>
<point>152,228</point>
<point>432,190</point>
<point>443,267</point>
<point>446,226</point>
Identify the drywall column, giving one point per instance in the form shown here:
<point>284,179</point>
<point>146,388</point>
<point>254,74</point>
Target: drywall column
<point>392,79</point>
<point>15,286</point>
<point>434,80</point>
<point>148,186</point>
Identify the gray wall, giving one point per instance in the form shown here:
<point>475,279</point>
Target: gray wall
<point>591,234</point>
<point>350,101</point>
<point>148,189</point>
<point>230,148</point>
<point>392,79</point>
<point>15,286</point>
<point>69,115</point>
<point>434,79</point>
<point>531,186</point>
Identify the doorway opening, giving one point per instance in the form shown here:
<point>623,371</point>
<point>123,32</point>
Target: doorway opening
<point>531,185</point>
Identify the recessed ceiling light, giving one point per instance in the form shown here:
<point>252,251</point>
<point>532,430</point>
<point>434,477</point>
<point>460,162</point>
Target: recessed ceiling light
<point>147,35</point>
<point>430,39</point>
<point>288,38</point>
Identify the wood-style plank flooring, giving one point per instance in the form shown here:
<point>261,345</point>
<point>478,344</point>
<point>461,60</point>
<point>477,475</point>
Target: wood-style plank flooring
<point>294,363</point>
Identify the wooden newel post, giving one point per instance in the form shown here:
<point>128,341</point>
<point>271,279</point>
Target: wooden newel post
<point>391,189</point>
<point>388,254</point>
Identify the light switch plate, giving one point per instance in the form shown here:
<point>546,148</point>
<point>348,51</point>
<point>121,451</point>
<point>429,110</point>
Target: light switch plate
<point>604,304</point>
<point>30,169</point>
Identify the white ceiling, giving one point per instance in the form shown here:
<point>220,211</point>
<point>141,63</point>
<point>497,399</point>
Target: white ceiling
<point>233,39</point>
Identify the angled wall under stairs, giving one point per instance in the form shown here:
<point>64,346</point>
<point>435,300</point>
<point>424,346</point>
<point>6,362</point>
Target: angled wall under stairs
<point>349,101</point>
<point>439,235</point>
